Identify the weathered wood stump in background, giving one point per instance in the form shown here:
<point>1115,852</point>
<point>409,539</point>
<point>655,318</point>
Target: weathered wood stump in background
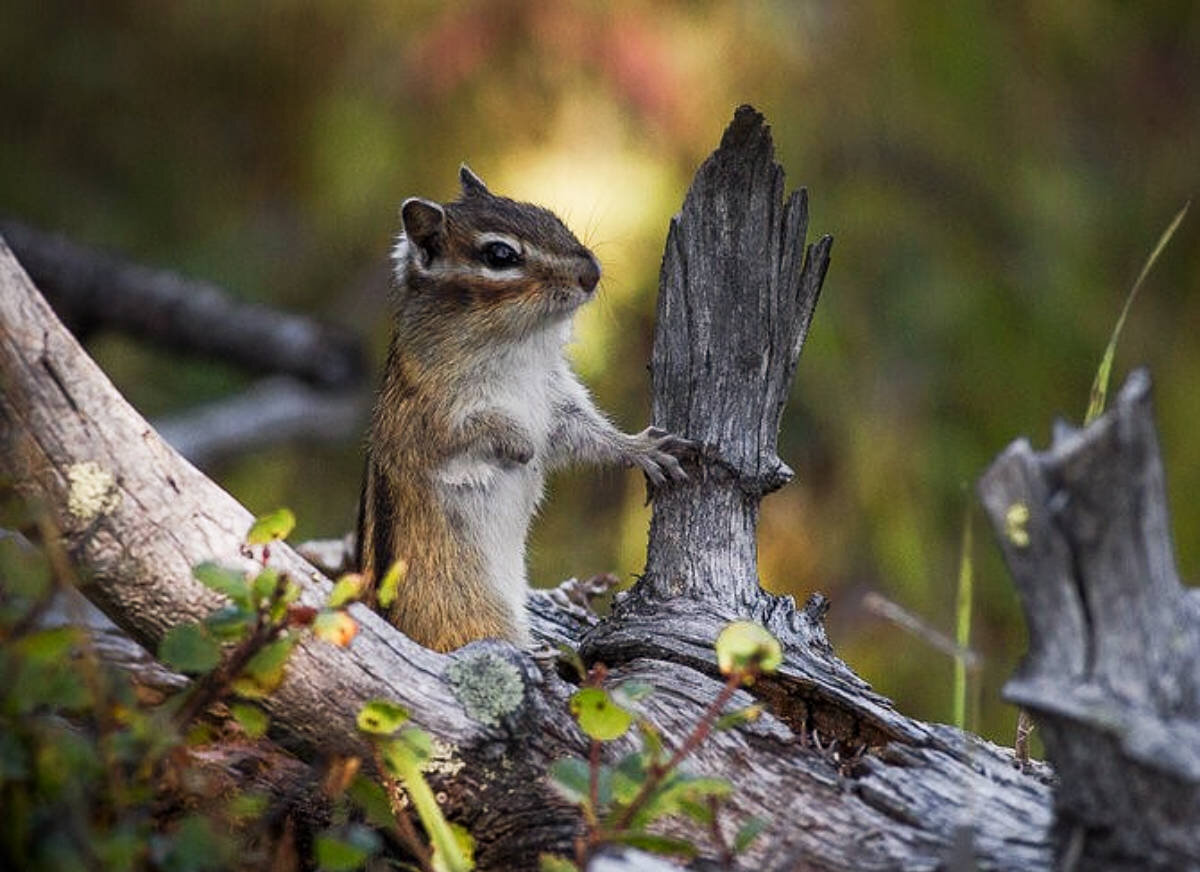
<point>1113,670</point>
<point>846,782</point>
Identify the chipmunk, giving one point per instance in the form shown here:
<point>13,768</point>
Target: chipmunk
<point>477,404</point>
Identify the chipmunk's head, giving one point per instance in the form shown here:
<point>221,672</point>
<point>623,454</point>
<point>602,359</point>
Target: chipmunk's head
<point>511,265</point>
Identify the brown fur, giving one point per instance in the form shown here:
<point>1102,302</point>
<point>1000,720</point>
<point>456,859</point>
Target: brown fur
<point>443,602</point>
<point>475,379</point>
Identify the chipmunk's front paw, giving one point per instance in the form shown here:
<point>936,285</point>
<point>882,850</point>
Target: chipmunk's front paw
<point>512,448</point>
<point>657,453</point>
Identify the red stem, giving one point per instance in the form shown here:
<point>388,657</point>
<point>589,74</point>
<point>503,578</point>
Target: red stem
<point>594,777</point>
<point>698,735</point>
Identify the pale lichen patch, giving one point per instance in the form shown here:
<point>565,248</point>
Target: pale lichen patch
<point>93,491</point>
<point>445,759</point>
<point>488,686</point>
<point>1016,524</point>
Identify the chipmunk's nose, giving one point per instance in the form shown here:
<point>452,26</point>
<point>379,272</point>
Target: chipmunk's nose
<point>589,275</point>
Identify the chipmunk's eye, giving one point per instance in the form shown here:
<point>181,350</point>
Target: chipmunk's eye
<point>500,255</point>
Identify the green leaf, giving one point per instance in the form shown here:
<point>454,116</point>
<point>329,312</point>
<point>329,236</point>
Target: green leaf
<point>250,718</point>
<point>700,812</point>
<point>24,569</point>
<point>119,848</point>
<point>657,844</point>
<point>569,656</point>
<point>346,850</point>
<point>651,739</point>
<point>747,833</point>
<point>230,623</point>
<point>404,756</point>
<point>397,757</point>
<point>369,796</point>
<point>407,751</point>
<point>291,593</point>
<point>419,743</point>
<point>195,845</point>
<point>389,585</point>
<point>222,579</point>
<point>1099,392</point>
<point>554,863</point>
<point>570,777</point>
<point>265,584</point>
<point>247,806</point>
<point>53,645</point>
<point>739,717</point>
<point>629,692</point>
<point>962,623</point>
<point>188,648</point>
<point>679,787</point>
<point>464,854</point>
<point>746,645</point>
<point>599,715</point>
<point>335,855</point>
<point>346,589</point>
<point>57,684</point>
<point>381,717</point>
<point>628,776</point>
<point>265,670</point>
<point>270,527</point>
<point>271,658</point>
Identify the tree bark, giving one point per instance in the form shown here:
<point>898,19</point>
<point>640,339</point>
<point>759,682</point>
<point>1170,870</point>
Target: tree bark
<point>845,781</point>
<point>1113,669</point>
<point>736,296</point>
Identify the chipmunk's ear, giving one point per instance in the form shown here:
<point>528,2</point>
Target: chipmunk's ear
<point>472,185</point>
<point>424,226</point>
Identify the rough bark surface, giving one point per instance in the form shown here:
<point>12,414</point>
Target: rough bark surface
<point>1113,670</point>
<point>736,295</point>
<point>846,781</point>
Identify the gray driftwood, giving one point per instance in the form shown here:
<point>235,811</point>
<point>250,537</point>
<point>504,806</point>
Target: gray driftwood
<point>92,290</point>
<point>847,782</point>
<point>316,390</point>
<point>1113,670</point>
<point>266,413</point>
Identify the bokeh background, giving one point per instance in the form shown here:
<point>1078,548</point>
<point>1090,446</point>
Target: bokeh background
<point>994,176</point>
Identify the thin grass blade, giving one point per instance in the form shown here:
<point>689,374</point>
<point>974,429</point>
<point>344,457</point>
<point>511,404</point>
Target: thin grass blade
<point>966,594</point>
<point>1099,393</point>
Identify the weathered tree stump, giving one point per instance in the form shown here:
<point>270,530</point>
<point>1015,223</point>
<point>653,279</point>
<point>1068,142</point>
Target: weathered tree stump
<point>1113,670</point>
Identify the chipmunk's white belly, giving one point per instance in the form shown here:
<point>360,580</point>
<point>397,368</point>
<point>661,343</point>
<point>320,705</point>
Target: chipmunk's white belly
<point>492,502</point>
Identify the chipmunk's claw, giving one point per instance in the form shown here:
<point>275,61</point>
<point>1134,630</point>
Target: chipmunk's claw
<point>658,455</point>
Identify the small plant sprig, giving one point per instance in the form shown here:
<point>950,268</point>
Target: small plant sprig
<point>242,648</point>
<point>400,754</point>
<point>1099,393</point>
<point>619,803</point>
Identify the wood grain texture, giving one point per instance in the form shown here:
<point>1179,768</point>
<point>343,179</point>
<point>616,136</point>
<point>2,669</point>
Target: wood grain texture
<point>1113,670</point>
<point>736,295</point>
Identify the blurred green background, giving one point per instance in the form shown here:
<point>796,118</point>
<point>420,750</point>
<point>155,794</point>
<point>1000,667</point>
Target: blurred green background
<point>994,176</point>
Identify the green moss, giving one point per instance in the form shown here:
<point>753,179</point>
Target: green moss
<point>488,687</point>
